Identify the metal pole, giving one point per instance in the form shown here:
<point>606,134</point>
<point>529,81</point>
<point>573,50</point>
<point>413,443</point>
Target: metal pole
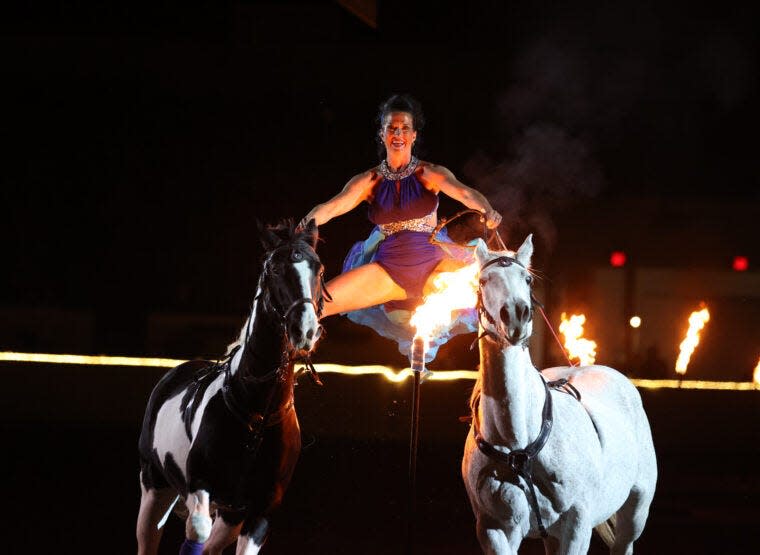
<point>418,366</point>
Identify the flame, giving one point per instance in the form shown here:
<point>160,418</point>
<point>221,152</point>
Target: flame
<point>576,345</point>
<point>756,373</point>
<point>697,321</point>
<point>451,291</point>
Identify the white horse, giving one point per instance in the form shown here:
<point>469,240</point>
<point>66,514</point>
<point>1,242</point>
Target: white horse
<point>545,462</point>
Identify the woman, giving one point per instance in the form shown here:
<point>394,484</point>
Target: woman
<point>395,266</point>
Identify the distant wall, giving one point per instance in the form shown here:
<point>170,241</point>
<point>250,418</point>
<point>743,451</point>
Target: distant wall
<point>663,298</point>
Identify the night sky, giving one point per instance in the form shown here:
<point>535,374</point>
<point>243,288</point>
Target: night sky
<point>143,143</point>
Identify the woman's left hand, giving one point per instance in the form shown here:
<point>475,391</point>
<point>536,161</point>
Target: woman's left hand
<point>493,218</point>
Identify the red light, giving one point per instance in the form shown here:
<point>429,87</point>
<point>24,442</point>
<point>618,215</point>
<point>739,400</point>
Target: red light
<point>617,259</point>
<point>741,263</point>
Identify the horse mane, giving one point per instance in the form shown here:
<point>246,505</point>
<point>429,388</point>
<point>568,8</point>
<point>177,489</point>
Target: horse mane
<point>285,229</point>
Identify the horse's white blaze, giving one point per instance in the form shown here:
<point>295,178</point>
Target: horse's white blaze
<point>169,432</point>
<point>309,321</point>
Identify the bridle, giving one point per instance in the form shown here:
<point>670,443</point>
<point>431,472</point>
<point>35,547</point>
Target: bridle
<point>321,293</point>
<point>503,261</point>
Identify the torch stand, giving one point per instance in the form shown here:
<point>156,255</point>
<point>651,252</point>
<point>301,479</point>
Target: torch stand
<point>418,367</point>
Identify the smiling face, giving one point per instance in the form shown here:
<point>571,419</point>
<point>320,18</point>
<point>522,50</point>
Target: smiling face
<point>398,134</point>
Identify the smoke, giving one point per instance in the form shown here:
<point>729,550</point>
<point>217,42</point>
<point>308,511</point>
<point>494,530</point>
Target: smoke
<point>547,117</point>
<point>616,87</point>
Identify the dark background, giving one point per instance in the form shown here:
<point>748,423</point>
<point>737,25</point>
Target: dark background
<point>142,142</point>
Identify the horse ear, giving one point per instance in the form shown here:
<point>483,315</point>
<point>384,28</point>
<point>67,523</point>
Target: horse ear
<point>310,234</point>
<point>269,239</point>
<point>482,253</point>
<point>525,252</point>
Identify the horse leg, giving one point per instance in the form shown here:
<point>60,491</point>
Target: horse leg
<point>198,523</point>
<point>223,534</point>
<point>631,518</point>
<point>153,506</point>
<point>576,533</point>
<point>251,541</point>
<point>493,538</point>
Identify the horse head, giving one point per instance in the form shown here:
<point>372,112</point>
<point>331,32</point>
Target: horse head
<point>504,292</point>
<point>292,283</point>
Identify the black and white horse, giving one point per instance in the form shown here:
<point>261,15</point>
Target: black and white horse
<point>225,436</point>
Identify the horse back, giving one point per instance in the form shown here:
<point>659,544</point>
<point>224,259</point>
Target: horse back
<point>613,406</point>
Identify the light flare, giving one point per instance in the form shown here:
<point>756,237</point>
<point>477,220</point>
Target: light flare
<point>576,345</point>
<point>697,321</point>
<point>394,375</point>
<point>756,374</point>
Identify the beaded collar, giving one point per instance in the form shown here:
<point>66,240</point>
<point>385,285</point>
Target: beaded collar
<point>406,171</point>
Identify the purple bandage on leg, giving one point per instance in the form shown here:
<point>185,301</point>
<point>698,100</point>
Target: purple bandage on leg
<point>189,547</point>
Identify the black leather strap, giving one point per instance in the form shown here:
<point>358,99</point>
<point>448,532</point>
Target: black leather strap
<point>520,461</point>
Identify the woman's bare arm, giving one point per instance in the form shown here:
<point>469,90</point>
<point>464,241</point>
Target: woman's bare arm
<point>358,189</point>
<point>438,178</point>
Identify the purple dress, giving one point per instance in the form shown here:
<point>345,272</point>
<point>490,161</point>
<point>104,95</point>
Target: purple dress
<point>404,212</point>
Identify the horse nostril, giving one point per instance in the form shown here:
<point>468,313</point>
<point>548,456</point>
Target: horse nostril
<point>504,315</point>
<point>309,334</point>
<point>523,312</point>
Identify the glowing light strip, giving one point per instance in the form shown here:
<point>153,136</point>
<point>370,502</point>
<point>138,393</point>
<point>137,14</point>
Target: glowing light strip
<point>396,376</point>
<point>695,384</point>
<point>96,360</point>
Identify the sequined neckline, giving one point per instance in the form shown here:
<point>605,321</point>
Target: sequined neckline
<point>406,171</point>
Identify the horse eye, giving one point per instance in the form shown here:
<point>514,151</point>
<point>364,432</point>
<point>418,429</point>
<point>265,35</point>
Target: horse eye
<point>297,256</point>
<point>529,280</point>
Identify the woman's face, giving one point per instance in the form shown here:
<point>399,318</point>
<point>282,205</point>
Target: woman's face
<point>398,132</point>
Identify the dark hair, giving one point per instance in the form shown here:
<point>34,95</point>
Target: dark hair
<point>400,103</point>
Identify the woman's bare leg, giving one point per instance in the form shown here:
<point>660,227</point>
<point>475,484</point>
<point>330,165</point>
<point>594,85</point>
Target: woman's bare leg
<point>362,287</point>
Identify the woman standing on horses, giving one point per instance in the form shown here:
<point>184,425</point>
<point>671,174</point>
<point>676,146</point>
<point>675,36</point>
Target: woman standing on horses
<point>394,266</point>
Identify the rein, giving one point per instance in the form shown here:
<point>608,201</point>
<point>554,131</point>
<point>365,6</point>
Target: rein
<point>446,221</point>
<point>505,261</point>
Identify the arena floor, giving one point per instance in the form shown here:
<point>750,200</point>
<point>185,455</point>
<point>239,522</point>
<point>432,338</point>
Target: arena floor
<point>73,475</point>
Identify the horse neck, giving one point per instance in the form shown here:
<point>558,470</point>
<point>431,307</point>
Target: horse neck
<point>263,344</point>
<point>512,395</point>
